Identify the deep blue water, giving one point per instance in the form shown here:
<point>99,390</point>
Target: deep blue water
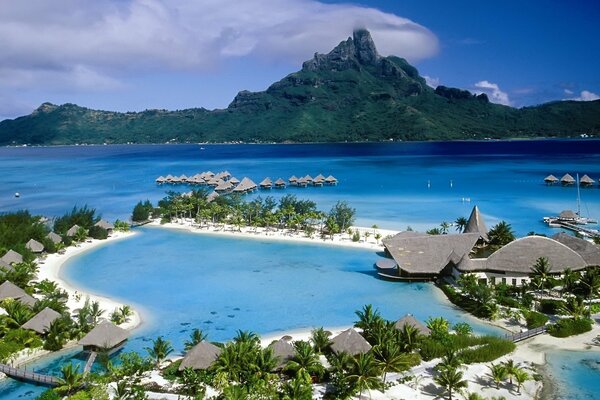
<point>181,281</point>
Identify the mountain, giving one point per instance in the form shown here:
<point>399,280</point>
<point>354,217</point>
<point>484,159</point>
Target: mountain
<point>350,94</point>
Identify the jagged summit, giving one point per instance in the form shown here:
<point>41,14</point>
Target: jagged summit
<point>351,53</point>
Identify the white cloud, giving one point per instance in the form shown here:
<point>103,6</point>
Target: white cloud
<point>568,92</point>
<point>492,90</point>
<point>431,82</point>
<point>585,95</point>
<point>93,44</point>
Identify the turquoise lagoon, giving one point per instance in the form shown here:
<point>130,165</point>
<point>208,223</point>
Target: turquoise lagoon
<point>181,281</point>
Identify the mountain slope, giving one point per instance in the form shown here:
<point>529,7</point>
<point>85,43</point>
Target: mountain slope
<point>350,94</point>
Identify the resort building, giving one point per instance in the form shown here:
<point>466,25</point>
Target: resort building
<point>283,351</point>
<point>105,225</point>
<point>409,320</point>
<point>350,342</point>
<point>54,237</point>
<point>12,257</point>
<point>73,230</point>
<point>34,246</point>
<point>421,257</point>
<point>9,290</point>
<point>104,336</point>
<point>41,322</point>
<point>201,356</point>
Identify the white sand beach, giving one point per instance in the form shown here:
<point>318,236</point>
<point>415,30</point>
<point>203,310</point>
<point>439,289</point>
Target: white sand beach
<point>49,268</point>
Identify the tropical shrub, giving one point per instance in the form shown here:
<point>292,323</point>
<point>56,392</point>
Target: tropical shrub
<point>535,319</point>
<point>570,326</point>
<point>548,306</point>
<point>141,211</point>
<point>97,232</point>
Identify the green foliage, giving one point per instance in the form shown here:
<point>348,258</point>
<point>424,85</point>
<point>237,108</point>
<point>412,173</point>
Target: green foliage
<point>16,229</point>
<point>160,350</point>
<point>84,217</point>
<point>551,306</point>
<point>501,234</point>
<point>480,302</point>
<point>142,211</point>
<point>97,232</point>
<point>171,372</point>
<point>121,226</point>
<point>49,394</point>
<point>570,326</point>
<point>535,319</point>
<point>343,215</point>
<point>472,349</point>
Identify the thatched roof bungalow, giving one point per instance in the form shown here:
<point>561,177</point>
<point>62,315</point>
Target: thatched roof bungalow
<point>567,215</point>
<point>34,246</point>
<point>224,186</point>
<point>201,356</point>
<point>586,181</point>
<point>567,179</point>
<point>9,290</point>
<point>211,196</point>
<point>550,179</point>
<point>40,323</point>
<point>283,351</point>
<point>160,180</point>
<point>331,180</point>
<point>54,237</point>
<point>245,186</point>
<point>73,230</point>
<point>105,335</point>
<point>319,180</point>
<point>350,342</point>
<point>410,320</point>
<point>105,225</point>
<point>12,257</point>
<point>279,183</point>
<point>234,180</point>
<point>266,183</point>
<point>293,180</point>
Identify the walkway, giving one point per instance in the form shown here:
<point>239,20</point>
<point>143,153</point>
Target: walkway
<point>29,376</point>
<point>517,337</point>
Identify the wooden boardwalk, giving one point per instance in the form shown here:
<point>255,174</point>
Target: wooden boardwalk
<point>29,376</point>
<point>90,362</point>
<point>517,337</point>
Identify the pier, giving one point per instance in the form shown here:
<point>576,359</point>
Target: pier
<point>29,376</point>
<point>517,337</point>
<point>556,223</point>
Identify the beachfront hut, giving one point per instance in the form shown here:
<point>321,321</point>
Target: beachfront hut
<point>12,257</point>
<point>160,180</point>
<point>214,181</point>
<point>331,180</point>
<point>408,319</point>
<point>550,179</point>
<point>319,180</point>
<point>201,356</point>
<point>34,246</point>
<point>5,266</point>
<point>280,183</point>
<point>245,186</point>
<point>105,225</point>
<point>212,196</point>
<point>224,186</point>
<point>42,320</point>
<point>266,183</point>
<point>476,224</point>
<point>54,237</point>
<point>283,351</point>
<point>105,335</point>
<point>9,290</point>
<point>586,181</point>
<point>350,342</point>
<point>567,180</point>
<point>73,230</point>
<point>293,180</point>
<point>234,180</point>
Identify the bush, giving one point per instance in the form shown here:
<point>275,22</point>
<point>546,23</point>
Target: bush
<point>97,232</point>
<point>141,211</point>
<point>8,348</point>
<point>172,371</point>
<point>535,319</point>
<point>491,348</point>
<point>551,306</point>
<point>466,303</point>
<point>356,236</point>
<point>49,395</point>
<point>570,326</point>
<point>508,302</point>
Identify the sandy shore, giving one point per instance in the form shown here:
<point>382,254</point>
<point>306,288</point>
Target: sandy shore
<point>365,242</point>
<point>49,268</point>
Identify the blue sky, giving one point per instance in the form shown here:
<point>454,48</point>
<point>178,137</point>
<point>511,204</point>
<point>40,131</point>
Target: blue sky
<point>130,55</point>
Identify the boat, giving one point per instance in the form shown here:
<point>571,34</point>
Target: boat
<point>569,217</point>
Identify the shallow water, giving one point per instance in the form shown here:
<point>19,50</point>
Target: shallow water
<point>576,374</point>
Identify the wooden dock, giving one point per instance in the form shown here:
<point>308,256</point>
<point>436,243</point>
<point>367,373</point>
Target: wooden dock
<point>574,227</point>
<point>517,337</point>
<point>29,376</point>
<point>90,362</point>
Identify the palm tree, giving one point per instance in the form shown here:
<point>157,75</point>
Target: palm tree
<point>58,333</point>
<point>575,307</point>
<point>70,379</point>
<point>196,337</point>
<point>297,389</point>
<point>408,337</point>
<point>461,224</point>
<point>95,312</point>
<point>367,317</point>
<point>521,376</point>
<point>498,373</point>
<point>511,368</point>
<point>451,380</point>
<point>246,336</point>
<point>438,326</point>
<point>569,279</point>
<point>541,270</point>
<point>320,339</point>
<point>160,350</point>
<point>305,362</point>
<point>590,282</point>
<point>501,234</point>
<point>390,358</point>
<point>364,373</point>
<point>451,360</point>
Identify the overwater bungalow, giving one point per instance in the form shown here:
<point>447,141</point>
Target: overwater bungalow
<point>201,356</point>
<point>279,183</point>
<point>105,336</point>
<point>331,180</point>
<point>54,238</point>
<point>234,180</point>
<point>73,230</point>
<point>34,246</point>
<point>319,180</point>
<point>308,179</point>
<point>183,178</point>
<point>12,257</point>
<point>9,290</point>
<point>266,183</point>
<point>224,186</point>
<point>105,225</point>
<point>245,186</point>
<point>214,182</point>
<point>293,180</point>
<point>40,323</point>
<point>586,181</point>
<point>169,178</point>
<point>283,351</point>
<point>567,180</point>
<point>301,182</point>
<point>350,342</point>
<point>175,180</point>
<point>550,179</point>
<point>160,180</point>
<point>410,320</point>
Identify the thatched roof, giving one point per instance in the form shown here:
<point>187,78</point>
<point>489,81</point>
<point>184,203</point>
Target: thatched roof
<point>283,351</point>
<point>308,178</point>
<point>73,230</point>
<point>567,179</point>
<point>551,178</point>
<point>267,182</point>
<point>105,225</point>
<point>293,179</point>
<point>330,179</point>
<point>6,266</point>
<point>476,224</point>
<point>201,356</point>
<point>385,263</point>
<point>350,342</point>
<point>408,319</point>
<point>245,185</point>
<point>319,178</point>
<point>224,186</point>
<point>12,257</point>
<point>105,334</point>
<point>567,215</point>
<point>587,250</point>
<point>54,237</point>
<point>34,246</point>
<point>169,178</point>
<point>429,254</point>
<point>234,180</point>
<point>9,290</point>
<point>586,180</point>
<point>42,320</point>
<point>279,182</point>
<point>520,255</point>
<point>212,196</point>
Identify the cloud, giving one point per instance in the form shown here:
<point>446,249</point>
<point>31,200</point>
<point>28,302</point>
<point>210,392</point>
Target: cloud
<point>492,90</point>
<point>585,95</point>
<point>87,45</point>
<point>431,82</point>
<point>568,92</point>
